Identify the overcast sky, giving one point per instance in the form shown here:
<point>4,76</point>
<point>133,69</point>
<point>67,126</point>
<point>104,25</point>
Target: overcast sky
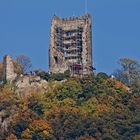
<point>25,29</point>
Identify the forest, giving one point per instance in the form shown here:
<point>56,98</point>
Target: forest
<point>94,107</point>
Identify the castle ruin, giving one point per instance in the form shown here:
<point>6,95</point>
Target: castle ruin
<point>8,69</point>
<point>71,45</point>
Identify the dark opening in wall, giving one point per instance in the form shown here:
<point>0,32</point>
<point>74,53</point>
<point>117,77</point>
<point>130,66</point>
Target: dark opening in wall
<point>56,59</point>
<point>69,33</point>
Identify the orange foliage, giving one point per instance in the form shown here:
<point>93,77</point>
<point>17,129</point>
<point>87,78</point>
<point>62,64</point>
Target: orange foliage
<point>102,108</point>
<point>68,110</point>
<point>120,85</point>
<point>11,137</point>
<point>39,126</point>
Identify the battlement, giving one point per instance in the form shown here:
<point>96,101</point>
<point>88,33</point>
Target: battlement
<point>87,16</point>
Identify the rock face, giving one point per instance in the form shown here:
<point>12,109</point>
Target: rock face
<point>8,69</point>
<point>28,84</point>
<point>71,45</point>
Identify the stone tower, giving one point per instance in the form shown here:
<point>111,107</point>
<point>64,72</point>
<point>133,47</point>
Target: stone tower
<point>8,69</point>
<point>71,45</point>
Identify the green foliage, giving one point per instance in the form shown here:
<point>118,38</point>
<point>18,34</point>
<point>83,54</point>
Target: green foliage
<point>60,76</point>
<point>69,89</point>
<point>70,122</point>
<point>36,106</point>
<point>44,75</point>
<point>92,108</point>
<point>90,105</point>
<point>102,75</point>
<point>52,77</point>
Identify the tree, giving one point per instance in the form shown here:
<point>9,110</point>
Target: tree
<point>90,105</point>
<point>38,129</point>
<point>60,76</point>
<point>54,77</point>
<point>129,71</point>
<point>17,68</point>
<point>24,62</point>
<point>102,75</point>
<point>11,137</point>
<point>1,71</point>
<point>69,89</point>
<point>44,75</point>
<point>69,123</point>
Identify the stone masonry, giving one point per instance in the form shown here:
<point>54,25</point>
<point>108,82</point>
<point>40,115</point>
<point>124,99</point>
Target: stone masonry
<point>8,69</point>
<point>71,45</point>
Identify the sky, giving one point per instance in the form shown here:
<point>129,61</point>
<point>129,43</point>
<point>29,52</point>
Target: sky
<point>25,29</point>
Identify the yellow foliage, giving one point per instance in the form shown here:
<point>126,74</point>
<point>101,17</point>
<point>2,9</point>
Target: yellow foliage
<point>120,85</point>
<point>136,137</point>
<point>26,134</point>
<point>67,109</point>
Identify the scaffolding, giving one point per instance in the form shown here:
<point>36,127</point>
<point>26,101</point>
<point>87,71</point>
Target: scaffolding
<point>68,45</point>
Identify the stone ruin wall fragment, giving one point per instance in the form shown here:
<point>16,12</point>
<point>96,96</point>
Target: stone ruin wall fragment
<point>8,69</point>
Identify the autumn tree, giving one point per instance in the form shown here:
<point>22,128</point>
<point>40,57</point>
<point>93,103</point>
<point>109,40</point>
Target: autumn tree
<point>1,71</point>
<point>38,129</point>
<point>24,62</point>
<point>129,71</point>
<point>69,123</point>
<point>11,137</point>
<point>17,68</point>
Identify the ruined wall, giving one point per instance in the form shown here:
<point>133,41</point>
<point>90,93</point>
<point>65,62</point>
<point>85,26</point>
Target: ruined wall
<point>8,69</point>
<point>71,45</point>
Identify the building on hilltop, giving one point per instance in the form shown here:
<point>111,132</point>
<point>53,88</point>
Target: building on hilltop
<point>71,45</point>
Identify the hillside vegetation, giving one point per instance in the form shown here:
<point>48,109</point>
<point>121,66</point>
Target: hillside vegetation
<point>95,107</point>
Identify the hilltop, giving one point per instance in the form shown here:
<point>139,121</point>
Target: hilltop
<point>93,107</point>
<point>60,107</point>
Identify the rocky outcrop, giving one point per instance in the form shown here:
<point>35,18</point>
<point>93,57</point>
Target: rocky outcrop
<point>25,85</point>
